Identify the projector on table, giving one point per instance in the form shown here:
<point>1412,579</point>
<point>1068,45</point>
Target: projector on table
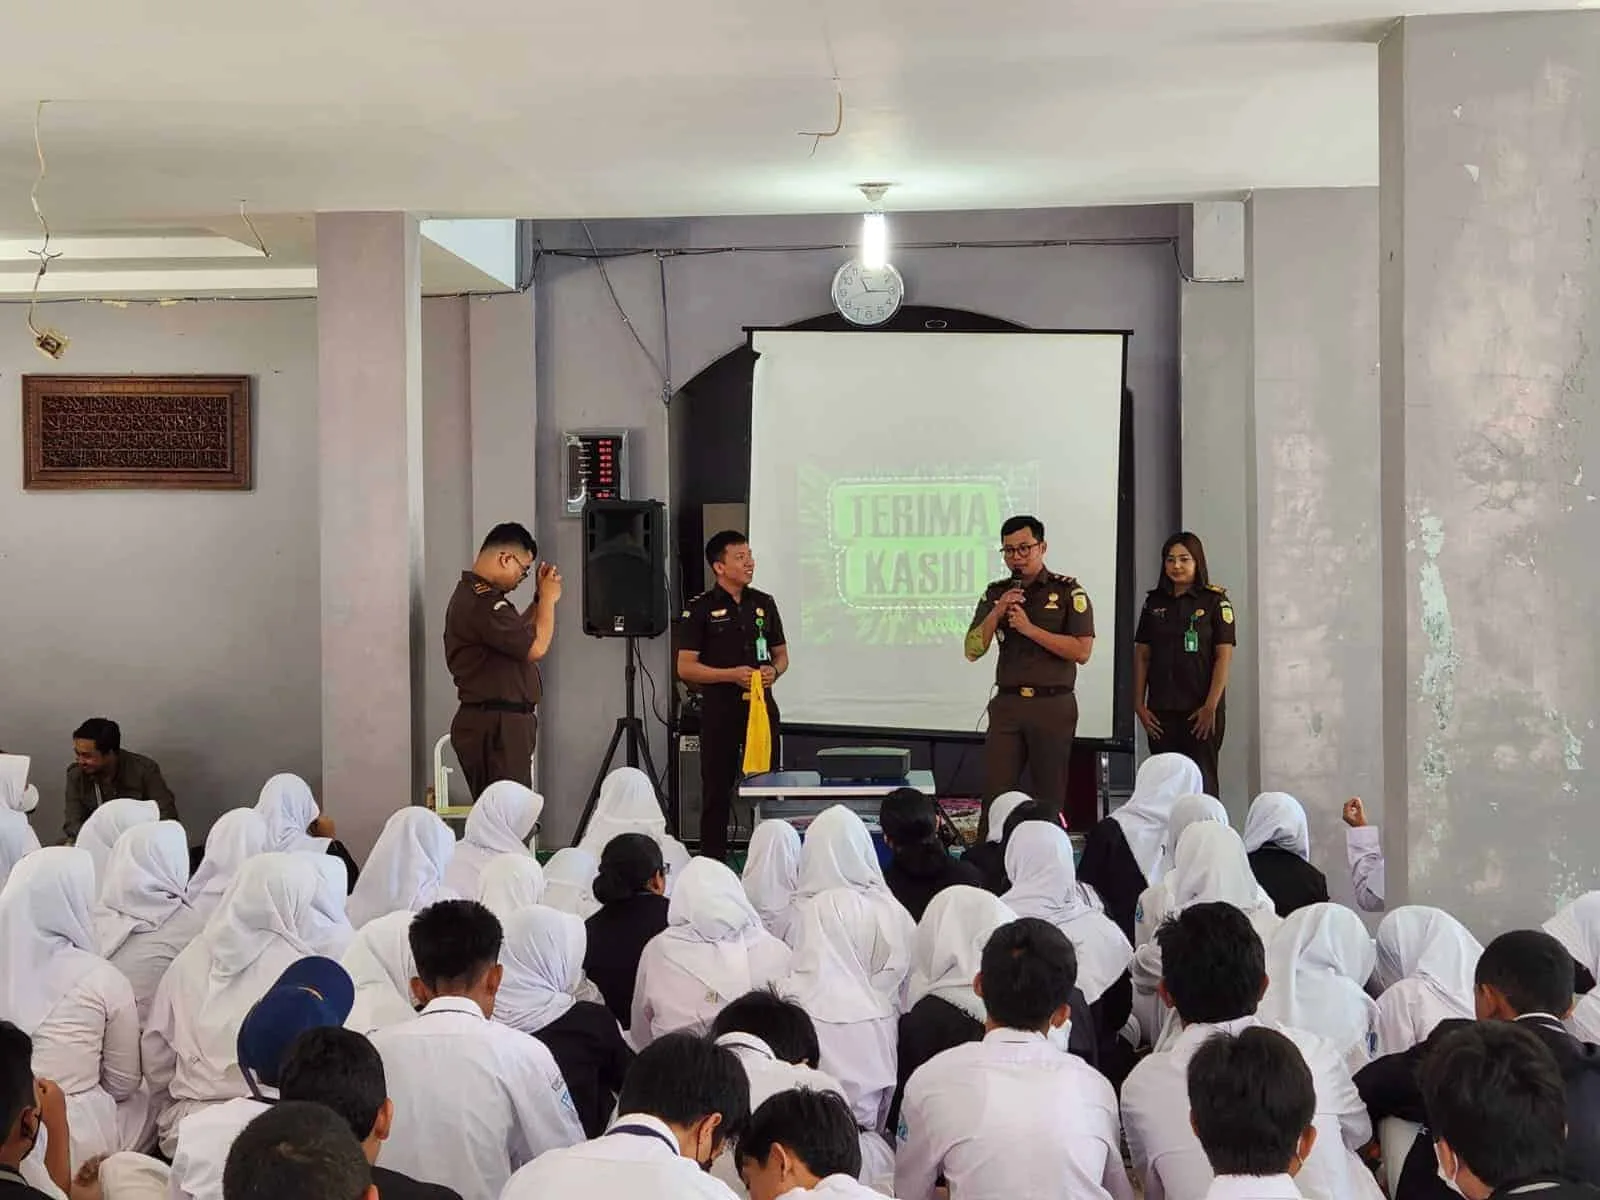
<point>864,764</point>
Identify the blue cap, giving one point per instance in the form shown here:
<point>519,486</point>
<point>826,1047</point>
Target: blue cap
<point>312,994</point>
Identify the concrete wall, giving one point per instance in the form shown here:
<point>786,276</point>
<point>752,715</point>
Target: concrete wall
<point>1490,302</point>
<point>591,374</point>
<point>1317,605</point>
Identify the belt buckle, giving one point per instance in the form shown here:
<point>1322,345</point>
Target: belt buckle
<point>1026,693</point>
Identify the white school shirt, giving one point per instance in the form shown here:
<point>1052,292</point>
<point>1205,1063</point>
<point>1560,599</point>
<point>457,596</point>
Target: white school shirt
<point>473,1099</point>
<point>204,1139</point>
<point>1010,1116</point>
<point>145,957</point>
<point>1364,845</point>
<point>1254,1187</point>
<point>1167,1155</point>
<point>618,1166</point>
<point>834,1187</point>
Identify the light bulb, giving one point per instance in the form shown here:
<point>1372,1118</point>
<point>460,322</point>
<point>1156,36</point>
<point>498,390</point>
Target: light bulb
<point>874,241</point>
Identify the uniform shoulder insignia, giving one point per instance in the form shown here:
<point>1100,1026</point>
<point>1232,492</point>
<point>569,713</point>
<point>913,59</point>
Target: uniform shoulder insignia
<point>1217,588</point>
<point>1064,580</point>
<point>481,589</point>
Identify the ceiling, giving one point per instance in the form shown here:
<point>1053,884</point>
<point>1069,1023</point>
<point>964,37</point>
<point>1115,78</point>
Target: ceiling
<point>169,113</point>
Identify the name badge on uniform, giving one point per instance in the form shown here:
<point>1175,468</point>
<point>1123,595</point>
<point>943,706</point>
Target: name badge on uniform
<point>718,613</point>
<point>762,654</point>
<point>1191,637</point>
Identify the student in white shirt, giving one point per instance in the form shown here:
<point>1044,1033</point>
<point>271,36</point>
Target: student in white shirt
<point>108,823</point>
<point>144,919</point>
<point>294,822</point>
<point>501,822</point>
<point>1577,927</point>
<point>628,804</point>
<point>237,836</point>
<point>311,994</point>
<point>1013,1115</point>
<point>509,883</point>
<point>1319,963</point>
<point>569,882</point>
<point>1251,1101</point>
<point>381,967</point>
<point>1364,845</point>
<point>713,949</point>
<point>1158,899</point>
<point>1426,960</point>
<point>17,838</point>
<point>301,1150</point>
<point>329,929</point>
<point>684,1099</point>
<point>802,1143</point>
<point>474,1100</point>
<point>76,1006</point>
<point>406,867</point>
<point>772,872</point>
<point>838,853</point>
<point>1214,974</point>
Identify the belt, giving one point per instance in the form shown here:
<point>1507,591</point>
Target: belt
<point>1033,693</point>
<point>500,706</point>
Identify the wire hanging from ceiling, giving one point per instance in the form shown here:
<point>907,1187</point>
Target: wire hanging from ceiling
<point>48,341</point>
<point>818,135</point>
<point>244,215</point>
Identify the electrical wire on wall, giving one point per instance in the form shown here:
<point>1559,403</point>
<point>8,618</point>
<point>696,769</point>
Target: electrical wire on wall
<point>50,342</point>
<point>244,215</point>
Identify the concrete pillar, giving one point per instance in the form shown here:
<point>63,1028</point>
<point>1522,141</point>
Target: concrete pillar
<point>1490,426</point>
<point>1315,605</point>
<point>369,317</point>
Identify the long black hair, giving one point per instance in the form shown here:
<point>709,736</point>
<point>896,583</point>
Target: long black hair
<point>1190,542</point>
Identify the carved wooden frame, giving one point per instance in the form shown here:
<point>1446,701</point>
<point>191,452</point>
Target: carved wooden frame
<point>234,390</point>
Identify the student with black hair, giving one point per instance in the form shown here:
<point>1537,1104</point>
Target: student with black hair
<point>1013,1114</point>
<point>802,1141</point>
<point>919,865</point>
<point>1525,976</point>
<point>341,1069</point>
<point>474,1099</point>
<point>683,1100</point>
<point>1252,1101</point>
<point>299,1150</point>
<point>1213,976</point>
<point>988,856</point>
<point>631,887</point>
<point>1497,1113</point>
<point>30,1107</point>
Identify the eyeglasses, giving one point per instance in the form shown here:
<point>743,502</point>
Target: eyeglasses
<point>521,566</point>
<point>1019,551</point>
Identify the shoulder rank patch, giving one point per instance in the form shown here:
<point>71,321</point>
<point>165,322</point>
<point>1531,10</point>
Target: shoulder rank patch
<point>1218,588</point>
<point>482,589</point>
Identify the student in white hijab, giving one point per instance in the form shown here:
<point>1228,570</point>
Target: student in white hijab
<point>838,853</point>
<point>509,883</point>
<point>628,804</point>
<point>406,867</point>
<point>143,918</point>
<point>264,924</point>
<point>1425,964</point>
<point>772,872</point>
<point>1318,965</point>
<point>1123,854</point>
<point>501,822</point>
<point>1158,899</point>
<point>847,972</point>
<point>380,964</point>
<point>328,930</point>
<point>108,823</point>
<point>1044,884</point>
<point>713,950</point>
<point>290,810</point>
<point>1278,840</point>
<point>17,837</point>
<point>569,882</point>
<point>948,950</point>
<point>988,856</point>
<point>1577,927</point>
<point>237,835</point>
<point>78,1008</point>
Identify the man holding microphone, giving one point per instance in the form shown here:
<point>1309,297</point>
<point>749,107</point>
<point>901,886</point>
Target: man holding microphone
<point>1045,625</point>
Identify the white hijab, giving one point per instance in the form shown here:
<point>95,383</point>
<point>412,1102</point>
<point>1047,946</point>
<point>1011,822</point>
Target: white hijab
<point>47,941</point>
<point>381,966</point>
<point>16,796</point>
<point>838,853</point>
<point>146,884</point>
<point>1190,809</point>
<point>1145,817</point>
<point>948,950</point>
<point>1577,927</point>
<point>1211,865</point>
<point>1000,812</point>
<point>406,867</point>
<point>510,883</point>
<point>627,804</point>
<point>500,823</point>
<point>237,835</point>
<point>108,823</point>
<point>289,809</point>
<point>1277,819</point>
<point>17,837</point>
<point>569,882</point>
<point>1318,965</point>
<point>1044,884</point>
<point>543,959</point>
<point>772,872</point>
<point>713,931</point>
<point>848,965</point>
<point>329,929</point>
<point>1417,942</point>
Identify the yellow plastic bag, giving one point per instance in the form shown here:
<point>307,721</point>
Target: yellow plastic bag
<point>757,731</point>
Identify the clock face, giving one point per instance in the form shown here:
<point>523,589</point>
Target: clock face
<point>866,297</point>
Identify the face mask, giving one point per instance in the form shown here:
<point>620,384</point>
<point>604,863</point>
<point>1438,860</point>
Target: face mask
<point>1448,1180</point>
<point>1059,1036</point>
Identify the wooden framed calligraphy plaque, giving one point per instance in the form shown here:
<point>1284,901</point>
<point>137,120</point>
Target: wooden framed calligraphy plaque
<point>188,432</point>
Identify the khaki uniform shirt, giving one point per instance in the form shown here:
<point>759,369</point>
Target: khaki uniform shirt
<point>486,644</point>
<point>1056,604</point>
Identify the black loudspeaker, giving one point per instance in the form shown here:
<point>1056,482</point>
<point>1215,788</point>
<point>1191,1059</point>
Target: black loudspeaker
<point>625,568</point>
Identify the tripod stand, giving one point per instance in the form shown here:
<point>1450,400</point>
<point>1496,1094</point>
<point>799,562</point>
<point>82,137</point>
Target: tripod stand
<point>631,727</point>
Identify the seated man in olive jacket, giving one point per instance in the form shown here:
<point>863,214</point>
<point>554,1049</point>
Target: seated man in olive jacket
<point>105,771</point>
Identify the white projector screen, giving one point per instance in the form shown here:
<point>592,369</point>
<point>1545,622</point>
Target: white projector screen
<point>881,468</point>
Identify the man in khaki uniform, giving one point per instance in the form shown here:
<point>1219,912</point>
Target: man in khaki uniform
<point>1045,624</point>
<point>492,650</point>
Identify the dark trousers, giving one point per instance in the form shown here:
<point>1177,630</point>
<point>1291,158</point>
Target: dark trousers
<point>494,745</point>
<point>1177,737</point>
<point>722,726</point>
<point>1031,731</point>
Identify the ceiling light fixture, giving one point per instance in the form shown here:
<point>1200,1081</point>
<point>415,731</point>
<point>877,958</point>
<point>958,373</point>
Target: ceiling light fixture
<point>874,228</point>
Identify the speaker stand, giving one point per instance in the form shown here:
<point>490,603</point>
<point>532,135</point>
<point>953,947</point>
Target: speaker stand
<point>631,727</point>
